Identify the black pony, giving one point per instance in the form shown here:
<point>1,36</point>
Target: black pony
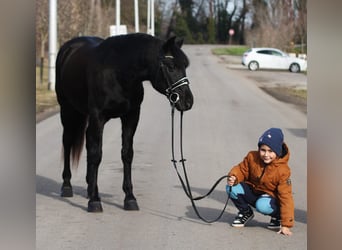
<point>97,80</point>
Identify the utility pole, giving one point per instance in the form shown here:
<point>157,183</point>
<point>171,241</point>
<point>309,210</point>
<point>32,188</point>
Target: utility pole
<point>150,17</point>
<point>136,15</point>
<point>117,17</point>
<point>52,43</point>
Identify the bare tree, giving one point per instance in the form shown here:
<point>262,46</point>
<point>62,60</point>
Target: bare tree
<point>41,33</point>
<point>277,23</point>
<point>301,24</point>
<point>241,21</point>
<point>273,24</point>
<point>95,20</point>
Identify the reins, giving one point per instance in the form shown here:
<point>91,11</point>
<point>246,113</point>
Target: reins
<point>173,97</point>
<point>186,185</point>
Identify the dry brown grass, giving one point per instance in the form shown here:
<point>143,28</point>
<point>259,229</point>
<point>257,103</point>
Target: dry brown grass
<point>45,99</point>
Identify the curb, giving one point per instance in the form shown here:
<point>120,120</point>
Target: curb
<point>46,114</point>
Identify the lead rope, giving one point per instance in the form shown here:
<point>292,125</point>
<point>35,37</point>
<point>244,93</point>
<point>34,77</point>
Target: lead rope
<point>187,188</point>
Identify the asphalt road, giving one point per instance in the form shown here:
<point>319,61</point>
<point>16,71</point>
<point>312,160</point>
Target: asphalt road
<point>229,114</point>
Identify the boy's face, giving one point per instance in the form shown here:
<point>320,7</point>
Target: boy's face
<point>266,154</point>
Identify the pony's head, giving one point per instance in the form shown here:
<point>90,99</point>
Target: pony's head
<point>171,78</point>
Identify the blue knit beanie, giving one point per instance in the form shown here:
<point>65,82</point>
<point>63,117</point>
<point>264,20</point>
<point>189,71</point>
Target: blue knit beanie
<point>273,138</point>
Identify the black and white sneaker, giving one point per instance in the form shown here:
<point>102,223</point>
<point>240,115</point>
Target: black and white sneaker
<point>242,218</point>
<point>274,223</point>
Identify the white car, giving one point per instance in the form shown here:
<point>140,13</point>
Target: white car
<point>270,58</point>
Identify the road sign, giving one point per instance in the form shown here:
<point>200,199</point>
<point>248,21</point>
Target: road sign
<point>231,32</point>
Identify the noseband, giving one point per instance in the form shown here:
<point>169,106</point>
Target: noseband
<point>172,95</point>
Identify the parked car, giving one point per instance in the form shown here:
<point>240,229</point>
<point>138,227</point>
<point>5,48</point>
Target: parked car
<point>271,58</point>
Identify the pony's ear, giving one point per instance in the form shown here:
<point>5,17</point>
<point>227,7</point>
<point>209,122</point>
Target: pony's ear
<point>169,44</point>
<point>179,42</point>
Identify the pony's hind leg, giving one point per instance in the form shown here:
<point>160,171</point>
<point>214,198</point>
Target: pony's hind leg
<point>73,136</point>
<point>66,190</point>
<point>94,156</point>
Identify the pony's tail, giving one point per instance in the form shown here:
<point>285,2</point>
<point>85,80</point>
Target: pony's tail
<point>78,141</point>
<point>74,122</point>
<point>73,138</point>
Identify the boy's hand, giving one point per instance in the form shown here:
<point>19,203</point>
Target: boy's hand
<point>231,180</point>
<point>285,231</point>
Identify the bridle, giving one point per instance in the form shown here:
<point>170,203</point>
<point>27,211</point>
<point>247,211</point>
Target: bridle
<point>170,92</point>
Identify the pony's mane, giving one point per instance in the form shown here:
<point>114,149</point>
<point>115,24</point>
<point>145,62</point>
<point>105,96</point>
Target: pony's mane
<point>140,40</point>
<point>130,40</point>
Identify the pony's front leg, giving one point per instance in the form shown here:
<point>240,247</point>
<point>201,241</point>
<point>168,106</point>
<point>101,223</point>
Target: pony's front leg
<point>129,125</point>
<point>94,136</point>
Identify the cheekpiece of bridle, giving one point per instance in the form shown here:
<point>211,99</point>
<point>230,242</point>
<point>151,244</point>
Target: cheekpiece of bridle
<point>171,94</point>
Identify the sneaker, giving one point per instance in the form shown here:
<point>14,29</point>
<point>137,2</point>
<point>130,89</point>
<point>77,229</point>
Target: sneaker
<point>242,218</point>
<point>274,223</point>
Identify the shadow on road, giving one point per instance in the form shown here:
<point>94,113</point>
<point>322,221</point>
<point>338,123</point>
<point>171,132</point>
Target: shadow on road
<point>221,196</point>
<point>298,132</point>
<point>51,188</point>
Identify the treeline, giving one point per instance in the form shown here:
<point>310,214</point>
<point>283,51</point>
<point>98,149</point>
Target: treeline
<point>276,23</point>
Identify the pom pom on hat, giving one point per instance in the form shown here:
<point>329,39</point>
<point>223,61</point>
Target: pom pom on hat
<point>273,138</point>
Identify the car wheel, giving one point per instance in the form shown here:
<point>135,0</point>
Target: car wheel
<point>253,65</point>
<point>294,68</point>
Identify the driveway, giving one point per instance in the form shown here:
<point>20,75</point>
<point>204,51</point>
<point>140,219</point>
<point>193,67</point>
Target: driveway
<point>278,83</point>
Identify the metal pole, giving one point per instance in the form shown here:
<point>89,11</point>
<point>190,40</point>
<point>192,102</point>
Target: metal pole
<point>136,15</point>
<point>152,17</point>
<point>117,17</point>
<point>148,16</point>
<point>52,43</point>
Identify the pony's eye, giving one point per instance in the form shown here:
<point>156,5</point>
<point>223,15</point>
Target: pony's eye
<point>171,67</point>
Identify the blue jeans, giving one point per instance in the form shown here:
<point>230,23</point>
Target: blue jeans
<point>242,196</point>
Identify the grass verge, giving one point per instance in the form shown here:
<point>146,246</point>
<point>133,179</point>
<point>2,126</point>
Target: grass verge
<point>231,50</point>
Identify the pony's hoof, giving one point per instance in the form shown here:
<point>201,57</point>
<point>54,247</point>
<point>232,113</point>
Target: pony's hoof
<point>66,191</point>
<point>95,207</point>
<point>131,205</point>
